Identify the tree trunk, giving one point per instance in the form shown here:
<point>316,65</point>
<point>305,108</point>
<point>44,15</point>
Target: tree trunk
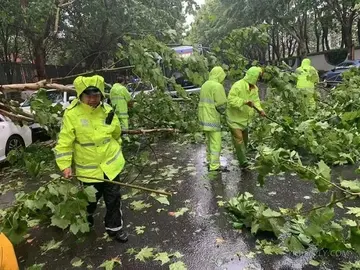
<point>358,30</point>
<point>317,33</point>
<point>40,60</point>
<point>347,37</point>
<point>325,38</point>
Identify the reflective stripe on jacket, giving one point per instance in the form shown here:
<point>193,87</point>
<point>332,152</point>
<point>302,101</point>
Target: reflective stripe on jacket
<point>212,100</point>
<point>120,97</point>
<point>88,143</point>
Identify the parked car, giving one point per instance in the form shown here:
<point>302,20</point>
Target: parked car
<point>56,96</point>
<point>12,136</point>
<point>334,76</point>
<point>138,87</point>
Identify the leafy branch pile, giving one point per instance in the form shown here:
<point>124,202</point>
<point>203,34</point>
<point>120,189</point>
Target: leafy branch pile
<point>60,203</point>
<point>296,229</point>
<point>330,133</point>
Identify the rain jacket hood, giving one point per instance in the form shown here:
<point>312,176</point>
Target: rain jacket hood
<point>306,63</point>
<point>217,74</point>
<point>252,75</point>
<point>81,83</point>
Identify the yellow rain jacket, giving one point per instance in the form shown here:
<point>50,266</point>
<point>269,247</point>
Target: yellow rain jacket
<point>86,140</point>
<point>120,97</point>
<point>8,259</point>
<point>238,114</point>
<point>307,77</point>
<point>212,100</point>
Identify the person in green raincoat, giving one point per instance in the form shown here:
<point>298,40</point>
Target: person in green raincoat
<point>211,105</point>
<point>120,97</point>
<point>307,78</point>
<point>242,98</point>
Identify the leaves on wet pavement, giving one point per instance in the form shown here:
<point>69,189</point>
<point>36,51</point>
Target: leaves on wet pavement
<point>163,257</point>
<point>140,229</point>
<point>77,262</point>
<point>51,245</point>
<point>36,266</point>
<point>160,198</point>
<point>178,266</point>
<point>131,251</point>
<point>110,264</point>
<point>179,212</point>
<point>144,253</point>
<point>139,205</point>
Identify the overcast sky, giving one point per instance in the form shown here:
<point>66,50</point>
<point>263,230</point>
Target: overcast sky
<point>190,18</point>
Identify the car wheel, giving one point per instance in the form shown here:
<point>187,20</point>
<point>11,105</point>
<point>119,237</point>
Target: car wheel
<point>13,143</point>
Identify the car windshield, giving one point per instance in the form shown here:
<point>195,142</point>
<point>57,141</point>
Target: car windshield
<point>346,65</point>
<point>54,96</point>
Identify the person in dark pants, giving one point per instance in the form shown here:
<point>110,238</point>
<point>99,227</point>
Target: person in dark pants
<point>90,141</point>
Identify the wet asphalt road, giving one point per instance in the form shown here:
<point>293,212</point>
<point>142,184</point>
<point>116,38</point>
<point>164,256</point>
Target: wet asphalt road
<point>203,234</point>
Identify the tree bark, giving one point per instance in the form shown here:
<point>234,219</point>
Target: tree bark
<point>358,30</point>
<point>39,54</point>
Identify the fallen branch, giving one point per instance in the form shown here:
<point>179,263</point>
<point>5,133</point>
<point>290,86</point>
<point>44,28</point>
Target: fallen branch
<point>35,86</point>
<point>52,143</point>
<point>12,109</point>
<point>16,116</point>
<point>126,185</point>
<point>146,131</point>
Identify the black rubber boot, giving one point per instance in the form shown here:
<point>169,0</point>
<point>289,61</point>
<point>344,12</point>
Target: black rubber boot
<point>120,236</point>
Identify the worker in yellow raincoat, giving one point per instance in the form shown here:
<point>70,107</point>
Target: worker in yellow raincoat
<point>8,259</point>
<point>242,98</point>
<point>211,105</point>
<point>307,77</point>
<point>120,97</point>
<point>90,141</point>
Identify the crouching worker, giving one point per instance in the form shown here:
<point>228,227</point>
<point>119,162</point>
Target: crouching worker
<point>90,141</point>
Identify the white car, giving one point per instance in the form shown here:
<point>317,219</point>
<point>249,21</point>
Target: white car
<point>12,136</point>
<point>56,96</point>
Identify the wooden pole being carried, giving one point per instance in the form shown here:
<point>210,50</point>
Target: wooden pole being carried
<point>125,185</point>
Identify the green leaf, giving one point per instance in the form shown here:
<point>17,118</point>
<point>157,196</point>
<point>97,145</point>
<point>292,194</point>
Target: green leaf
<point>180,212</point>
<point>139,205</point>
<point>90,192</point>
<point>350,265</point>
<point>161,199</point>
<point>163,257</point>
<point>314,263</point>
<point>294,245</point>
<point>51,245</point>
<point>59,222</point>
<point>131,251</point>
<point>178,266</point>
<point>355,238</point>
<point>140,229</point>
<point>353,186</point>
<point>353,211</point>
<point>177,254</point>
<point>145,253</point>
<point>36,266</point>
<point>322,183</point>
<point>110,264</point>
<point>77,262</point>
<point>270,213</point>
